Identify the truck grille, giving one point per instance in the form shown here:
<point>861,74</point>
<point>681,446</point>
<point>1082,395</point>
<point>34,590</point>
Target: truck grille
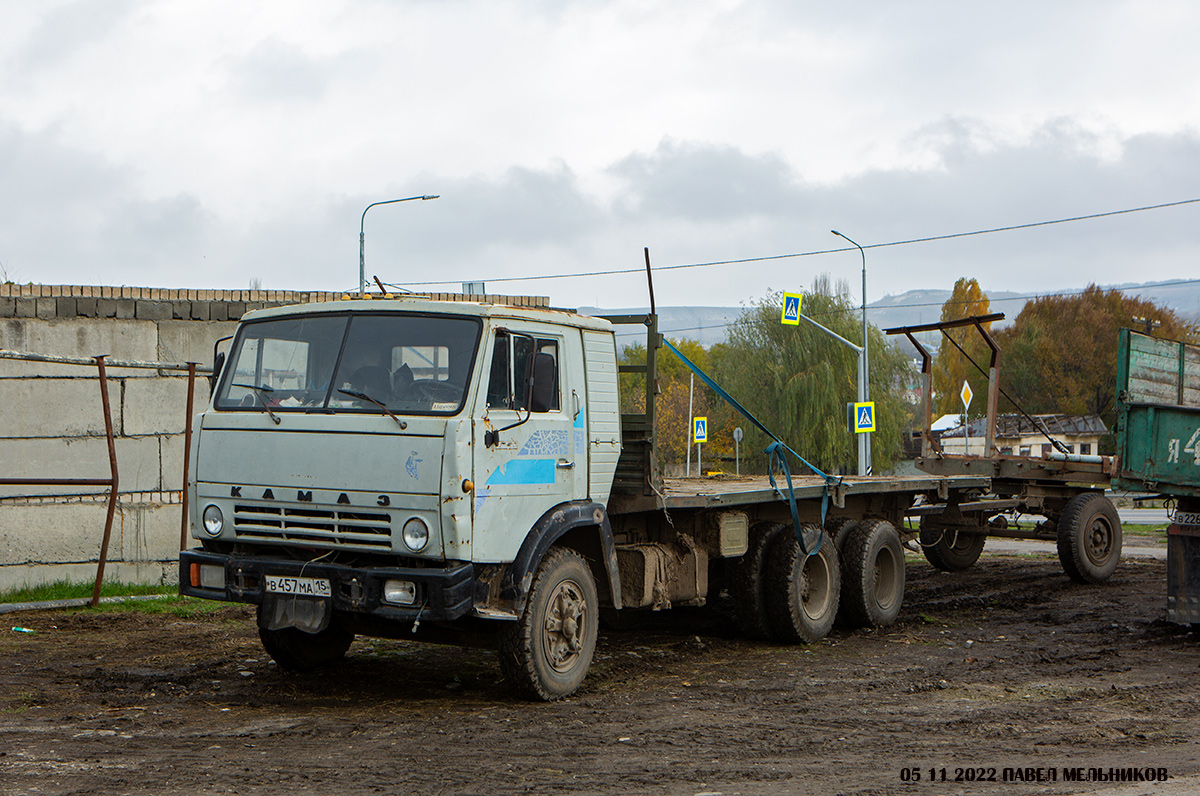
<point>313,527</point>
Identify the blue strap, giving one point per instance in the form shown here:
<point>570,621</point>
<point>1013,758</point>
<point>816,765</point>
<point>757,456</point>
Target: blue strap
<point>775,450</point>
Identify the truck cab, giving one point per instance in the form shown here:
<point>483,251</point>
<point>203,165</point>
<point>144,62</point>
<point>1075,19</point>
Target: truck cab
<point>386,466</point>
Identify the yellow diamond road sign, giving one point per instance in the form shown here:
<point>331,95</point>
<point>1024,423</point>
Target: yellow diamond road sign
<point>966,396</point>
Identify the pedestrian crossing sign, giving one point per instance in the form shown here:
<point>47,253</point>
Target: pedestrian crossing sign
<point>791,309</point>
<point>700,429</point>
<point>864,418</point>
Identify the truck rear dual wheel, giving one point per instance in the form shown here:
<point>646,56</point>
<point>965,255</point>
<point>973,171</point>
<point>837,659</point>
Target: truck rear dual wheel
<point>546,653</point>
<point>802,590</point>
<point>950,549</point>
<point>1089,538</point>
<point>746,581</point>
<point>872,575</point>
<point>297,651</point>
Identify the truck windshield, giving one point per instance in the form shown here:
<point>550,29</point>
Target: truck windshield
<point>413,364</point>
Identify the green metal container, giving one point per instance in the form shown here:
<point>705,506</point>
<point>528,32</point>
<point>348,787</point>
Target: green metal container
<point>1158,415</point>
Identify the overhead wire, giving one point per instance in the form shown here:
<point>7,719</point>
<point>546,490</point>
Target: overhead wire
<point>766,258</point>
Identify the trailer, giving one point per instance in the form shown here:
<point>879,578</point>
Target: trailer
<point>1158,444</point>
<point>1067,489</point>
<point>460,471</point>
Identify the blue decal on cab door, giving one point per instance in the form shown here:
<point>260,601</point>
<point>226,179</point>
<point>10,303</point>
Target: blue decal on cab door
<point>523,472</point>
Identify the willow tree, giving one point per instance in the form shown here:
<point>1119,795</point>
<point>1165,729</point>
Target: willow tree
<point>797,380</point>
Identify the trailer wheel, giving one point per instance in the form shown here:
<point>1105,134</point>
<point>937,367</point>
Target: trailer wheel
<point>1089,538</point>
<point>802,591</point>
<point>746,581</point>
<point>546,653</point>
<point>950,549</point>
<point>872,575</point>
<point>297,651</point>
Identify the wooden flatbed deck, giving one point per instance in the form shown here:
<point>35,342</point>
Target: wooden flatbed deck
<point>722,491</point>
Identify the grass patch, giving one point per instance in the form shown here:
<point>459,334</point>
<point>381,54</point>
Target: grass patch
<point>1158,532</point>
<point>68,590</point>
<point>170,604</point>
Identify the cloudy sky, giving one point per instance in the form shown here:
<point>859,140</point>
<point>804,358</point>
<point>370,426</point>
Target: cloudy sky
<point>208,143</point>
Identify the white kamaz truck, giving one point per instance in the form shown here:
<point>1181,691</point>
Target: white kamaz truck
<point>460,472</point>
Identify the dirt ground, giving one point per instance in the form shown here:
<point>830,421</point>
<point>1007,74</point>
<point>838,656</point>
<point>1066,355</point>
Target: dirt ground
<point>1005,666</point>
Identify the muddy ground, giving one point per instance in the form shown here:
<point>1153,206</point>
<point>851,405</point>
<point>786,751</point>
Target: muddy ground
<point>1006,665</point>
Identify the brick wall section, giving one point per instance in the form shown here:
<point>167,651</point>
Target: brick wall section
<point>47,302</point>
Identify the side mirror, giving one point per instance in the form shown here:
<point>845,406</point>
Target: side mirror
<point>218,364</point>
<point>541,398</point>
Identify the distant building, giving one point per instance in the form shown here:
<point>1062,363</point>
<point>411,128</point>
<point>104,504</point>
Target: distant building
<point>1018,435</point>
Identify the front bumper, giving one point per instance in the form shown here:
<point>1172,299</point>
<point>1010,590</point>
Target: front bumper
<point>443,594</point>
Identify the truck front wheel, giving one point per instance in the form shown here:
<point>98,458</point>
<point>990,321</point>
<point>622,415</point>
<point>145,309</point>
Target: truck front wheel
<point>297,651</point>
<point>1089,538</point>
<point>546,653</point>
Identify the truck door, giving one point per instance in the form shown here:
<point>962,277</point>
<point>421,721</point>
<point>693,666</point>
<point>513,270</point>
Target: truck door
<point>524,452</point>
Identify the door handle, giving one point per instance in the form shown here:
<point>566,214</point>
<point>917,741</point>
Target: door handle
<point>563,464</point>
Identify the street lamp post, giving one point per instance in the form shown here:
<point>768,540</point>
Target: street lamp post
<point>864,387</point>
<point>362,263</point>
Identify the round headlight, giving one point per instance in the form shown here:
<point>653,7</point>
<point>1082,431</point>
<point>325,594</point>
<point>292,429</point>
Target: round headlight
<point>213,521</point>
<point>416,534</point>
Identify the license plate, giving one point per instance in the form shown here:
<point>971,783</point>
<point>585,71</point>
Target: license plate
<point>1187,518</point>
<point>308,587</point>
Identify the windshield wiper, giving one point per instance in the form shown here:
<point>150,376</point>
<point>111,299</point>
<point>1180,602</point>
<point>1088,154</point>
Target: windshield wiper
<point>362,396</point>
<point>258,392</point>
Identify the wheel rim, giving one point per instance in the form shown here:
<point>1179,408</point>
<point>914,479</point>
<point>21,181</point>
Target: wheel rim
<point>566,626</point>
<point>1098,544</point>
<point>885,579</point>
<point>815,593</point>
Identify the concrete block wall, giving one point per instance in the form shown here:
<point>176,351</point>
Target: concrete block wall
<point>51,423</point>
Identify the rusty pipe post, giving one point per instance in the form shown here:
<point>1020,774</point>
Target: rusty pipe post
<point>112,490</point>
<point>187,447</point>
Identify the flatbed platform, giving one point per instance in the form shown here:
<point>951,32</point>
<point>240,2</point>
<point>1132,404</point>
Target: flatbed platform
<point>724,490</point>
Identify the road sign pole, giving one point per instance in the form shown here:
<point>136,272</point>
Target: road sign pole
<point>691,387</point>
<point>864,440</point>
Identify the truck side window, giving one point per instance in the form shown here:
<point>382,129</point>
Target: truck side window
<point>499,391</point>
<point>512,362</point>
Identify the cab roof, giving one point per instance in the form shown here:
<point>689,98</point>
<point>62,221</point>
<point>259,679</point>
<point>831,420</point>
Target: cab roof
<point>473,309</point>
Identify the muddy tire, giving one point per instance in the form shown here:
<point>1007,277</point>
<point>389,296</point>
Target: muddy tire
<point>838,529</point>
<point>802,591</point>
<point>746,581</point>
<point>950,549</point>
<point>546,653</point>
<point>1089,538</point>
<point>872,575</point>
<point>298,651</point>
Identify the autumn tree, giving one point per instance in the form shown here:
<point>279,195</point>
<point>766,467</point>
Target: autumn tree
<point>798,380</point>
<point>952,367</point>
<point>675,387</point>
<point>1060,355</point>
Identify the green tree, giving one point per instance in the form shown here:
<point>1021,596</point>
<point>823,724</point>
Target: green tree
<point>1060,355</point>
<point>798,380</point>
<point>951,367</point>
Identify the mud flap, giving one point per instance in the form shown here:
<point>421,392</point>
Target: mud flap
<point>303,613</point>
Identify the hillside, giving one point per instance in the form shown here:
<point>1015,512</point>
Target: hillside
<point>707,325</point>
